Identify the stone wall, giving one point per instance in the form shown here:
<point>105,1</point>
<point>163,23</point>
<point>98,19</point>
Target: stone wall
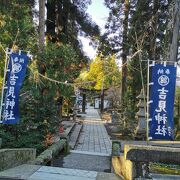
<point>133,160</point>
<point>13,157</point>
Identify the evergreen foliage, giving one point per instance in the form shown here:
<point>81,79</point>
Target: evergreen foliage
<point>103,73</point>
<point>138,29</point>
<point>133,27</point>
<point>61,60</point>
<point>67,19</point>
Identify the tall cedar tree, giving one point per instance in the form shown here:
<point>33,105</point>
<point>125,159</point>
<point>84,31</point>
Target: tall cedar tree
<point>116,36</point>
<point>67,19</point>
<point>132,26</point>
<point>148,33</point>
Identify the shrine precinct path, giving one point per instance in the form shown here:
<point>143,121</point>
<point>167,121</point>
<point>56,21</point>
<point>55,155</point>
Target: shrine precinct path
<point>94,138</point>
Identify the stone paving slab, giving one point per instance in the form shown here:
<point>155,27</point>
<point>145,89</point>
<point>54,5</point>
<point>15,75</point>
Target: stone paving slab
<point>55,173</point>
<point>108,176</point>
<point>48,176</point>
<point>90,153</point>
<point>20,172</point>
<point>35,172</point>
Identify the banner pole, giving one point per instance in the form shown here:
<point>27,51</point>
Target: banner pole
<point>147,105</point>
<point>4,79</point>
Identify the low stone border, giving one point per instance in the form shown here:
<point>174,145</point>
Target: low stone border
<point>67,132</point>
<point>134,162</point>
<point>14,157</point>
<point>46,156</point>
<point>172,144</point>
<point>73,139</point>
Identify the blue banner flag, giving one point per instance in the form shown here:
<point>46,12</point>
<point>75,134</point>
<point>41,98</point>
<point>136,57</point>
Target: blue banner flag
<point>161,122</point>
<point>15,76</point>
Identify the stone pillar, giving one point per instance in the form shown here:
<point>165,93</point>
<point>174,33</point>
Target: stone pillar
<point>114,117</point>
<point>140,132</point>
<point>125,118</point>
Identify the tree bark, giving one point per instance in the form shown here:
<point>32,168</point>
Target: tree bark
<point>124,54</point>
<point>174,35</point>
<point>50,22</point>
<point>153,31</point>
<point>62,17</point>
<point>41,24</point>
<point>59,19</point>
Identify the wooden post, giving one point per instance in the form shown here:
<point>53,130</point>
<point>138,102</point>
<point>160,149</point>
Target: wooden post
<point>179,111</point>
<point>102,101</point>
<point>84,103</point>
<point>4,80</point>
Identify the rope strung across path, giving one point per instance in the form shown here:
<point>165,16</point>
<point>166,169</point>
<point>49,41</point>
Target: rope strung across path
<point>72,84</point>
<point>60,82</point>
<point>75,84</point>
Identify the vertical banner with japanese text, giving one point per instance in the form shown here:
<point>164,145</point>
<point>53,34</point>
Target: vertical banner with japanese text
<point>161,121</point>
<point>15,76</point>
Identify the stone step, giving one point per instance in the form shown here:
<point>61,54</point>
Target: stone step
<point>84,162</point>
<point>34,172</point>
<point>164,177</point>
<point>75,135</point>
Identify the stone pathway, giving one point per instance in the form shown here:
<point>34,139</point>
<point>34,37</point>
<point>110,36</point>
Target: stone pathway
<point>94,137</point>
<point>93,150</point>
<point>89,161</point>
<point>91,114</point>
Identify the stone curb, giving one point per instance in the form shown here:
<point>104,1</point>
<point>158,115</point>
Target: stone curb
<point>76,135</point>
<point>46,156</point>
<point>67,132</point>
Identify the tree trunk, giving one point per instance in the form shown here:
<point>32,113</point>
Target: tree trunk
<point>124,54</point>
<point>174,35</point>
<point>50,22</point>
<point>66,17</point>
<point>153,31</point>
<point>41,24</point>
<point>59,19</point>
<point>62,17</point>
